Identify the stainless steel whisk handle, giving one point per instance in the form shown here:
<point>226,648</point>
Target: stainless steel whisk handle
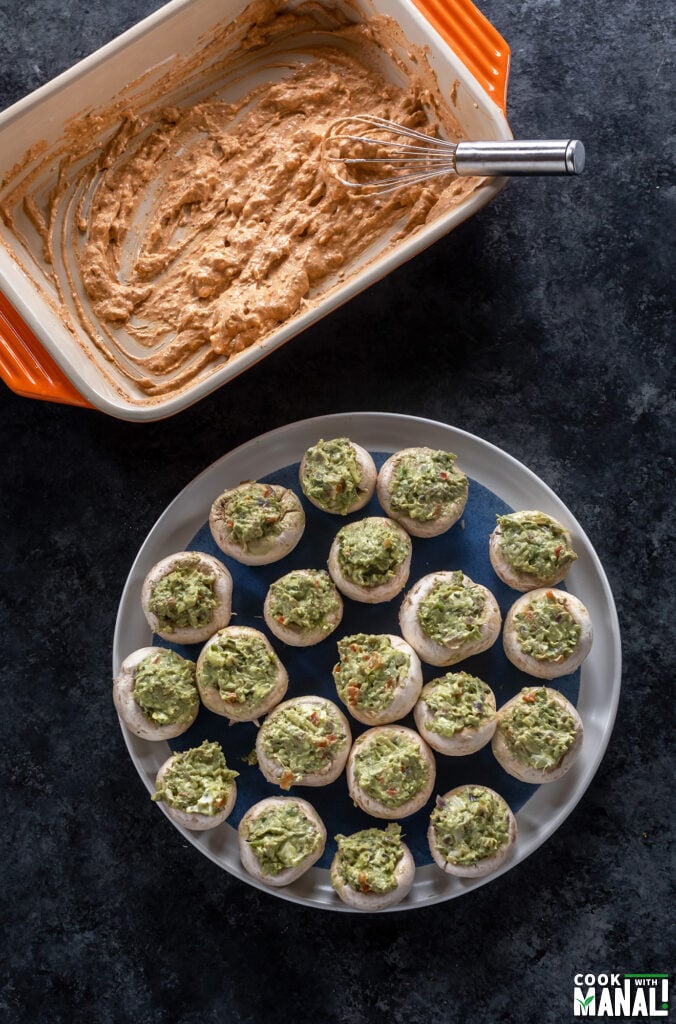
<point>513,157</point>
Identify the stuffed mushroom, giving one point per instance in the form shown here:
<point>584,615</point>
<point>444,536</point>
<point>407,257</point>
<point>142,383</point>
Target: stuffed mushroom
<point>548,633</point>
<point>390,772</point>
<point>280,838</point>
<point>538,736</point>
<point>378,677</point>
<point>447,617</point>
<point>257,523</point>
<point>456,714</point>
<point>372,869</point>
<point>239,674</point>
<point>303,607</point>
<point>337,476</point>
<point>155,693</point>
<point>472,829</point>
<point>187,596</point>
<point>530,549</point>
<point>370,560</point>
<point>303,742</point>
<point>196,787</point>
<point>423,490</point>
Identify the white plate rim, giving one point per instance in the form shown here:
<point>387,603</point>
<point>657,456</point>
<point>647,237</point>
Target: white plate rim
<point>489,465</point>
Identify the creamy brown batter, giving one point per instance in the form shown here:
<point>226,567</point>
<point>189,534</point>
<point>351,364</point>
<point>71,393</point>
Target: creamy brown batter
<point>178,235</point>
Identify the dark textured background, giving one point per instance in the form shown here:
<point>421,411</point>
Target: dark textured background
<point>544,325</point>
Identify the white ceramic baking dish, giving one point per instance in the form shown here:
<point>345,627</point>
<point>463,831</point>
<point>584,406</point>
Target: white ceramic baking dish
<point>41,358</point>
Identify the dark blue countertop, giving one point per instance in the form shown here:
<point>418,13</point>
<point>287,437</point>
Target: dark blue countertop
<point>543,325</point>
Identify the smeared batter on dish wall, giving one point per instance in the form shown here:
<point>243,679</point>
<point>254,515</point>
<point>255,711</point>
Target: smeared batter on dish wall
<point>195,230</point>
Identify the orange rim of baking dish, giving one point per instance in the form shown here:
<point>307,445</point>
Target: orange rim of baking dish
<point>28,369</point>
<point>471,36</point>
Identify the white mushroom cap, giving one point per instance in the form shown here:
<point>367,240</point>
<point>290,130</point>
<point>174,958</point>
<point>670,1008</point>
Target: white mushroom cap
<point>373,901</point>
<point>383,591</point>
<point>274,771</point>
<point>369,803</point>
<point>266,549</point>
<point>295,636</point>
<point>416,527</point>
<point>249,859</point>
<point>548,669</point>
<point>520,580</point>
<point>466,741</point>
<point>365,487</point>
<point>441,654</point>
<point>206,564</point>
<point>195,821</point>
<point>488,864</point>
<point>211,697</point>
<point>130,712</point>
<point>405,694</point>
<point>516,767</point>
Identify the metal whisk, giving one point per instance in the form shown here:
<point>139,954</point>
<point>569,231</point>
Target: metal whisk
<point>379,156</point>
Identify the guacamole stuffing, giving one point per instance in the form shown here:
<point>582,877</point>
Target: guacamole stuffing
<point>535,545</point>
<point>470,825</point>
<point>331,475</point>
<point>538,730</point>
<point>303,739</point>
<point>452,613</point>
<point>305,599</point>
<point>198,781</point>
<point>165,690</point>
<point>252,513</point>
<point>545,629</point>
<point>282,837</point>
<point>241,668</point>
<point>183,598</point>
<point>367,860</point>
<point>391,768</point>
<point>457,701</point>
<point>370,671</point>
<point>426,484</point>
<point>371,551</point>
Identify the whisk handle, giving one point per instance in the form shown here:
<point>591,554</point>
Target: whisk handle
<point>512,157</point>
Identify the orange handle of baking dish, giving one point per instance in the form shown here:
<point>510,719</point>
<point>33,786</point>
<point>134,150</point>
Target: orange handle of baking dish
<point>29,370</point>
<point>471,36</point>
<point>26,367</point>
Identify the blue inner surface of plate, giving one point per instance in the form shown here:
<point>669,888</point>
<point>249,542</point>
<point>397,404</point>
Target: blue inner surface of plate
<point>464,547</point>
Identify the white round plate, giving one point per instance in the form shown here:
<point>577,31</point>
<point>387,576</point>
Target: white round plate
<point>508,480</point>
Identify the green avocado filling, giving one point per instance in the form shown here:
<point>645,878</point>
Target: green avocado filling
<point>534,544</point>
<point>165,689</point>
<point>452,612</point>
<point>303,739</point>
<point>426,484</point>
<point>457,701</point>
<point>369,672</point>
<point>242,668</point>
<point>391,769</point>
<point>470,825</point>
<point>252,512</point>
<point>282,837</point>
<point>198,781</point>
<point>184,598</point>
<point>304,599</point>
<point>546,630</point>
<point>331,475</point>
<point>367,860</point>
<point>537,730</point>
<point>371,552</point>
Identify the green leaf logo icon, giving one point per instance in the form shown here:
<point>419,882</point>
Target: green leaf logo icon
<point>585,1002</point>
